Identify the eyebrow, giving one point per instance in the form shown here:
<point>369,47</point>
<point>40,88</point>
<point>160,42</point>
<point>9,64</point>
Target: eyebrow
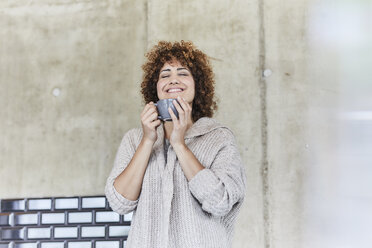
<point>178,69</point>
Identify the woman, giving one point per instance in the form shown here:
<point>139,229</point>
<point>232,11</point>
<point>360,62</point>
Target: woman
<point>183,179</point>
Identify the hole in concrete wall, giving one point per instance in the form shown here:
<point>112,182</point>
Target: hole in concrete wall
<point>56,91</point>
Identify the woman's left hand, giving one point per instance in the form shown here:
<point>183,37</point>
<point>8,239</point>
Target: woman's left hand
<point>181,124</point>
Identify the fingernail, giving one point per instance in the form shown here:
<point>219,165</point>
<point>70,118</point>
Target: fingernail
<point>178,97</point>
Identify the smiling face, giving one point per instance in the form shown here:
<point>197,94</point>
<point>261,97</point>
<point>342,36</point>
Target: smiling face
<point>175,80</point>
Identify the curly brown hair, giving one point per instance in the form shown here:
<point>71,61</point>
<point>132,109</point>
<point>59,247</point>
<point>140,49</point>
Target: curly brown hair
<point>185,52</point>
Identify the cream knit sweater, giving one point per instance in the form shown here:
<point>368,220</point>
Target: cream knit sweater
<point>172,212</point>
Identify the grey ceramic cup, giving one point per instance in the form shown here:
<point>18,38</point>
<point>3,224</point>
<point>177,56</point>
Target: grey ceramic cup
<point>162,106</point>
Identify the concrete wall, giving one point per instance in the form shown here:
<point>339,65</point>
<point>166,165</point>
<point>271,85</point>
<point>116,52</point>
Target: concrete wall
<point>69,90</point>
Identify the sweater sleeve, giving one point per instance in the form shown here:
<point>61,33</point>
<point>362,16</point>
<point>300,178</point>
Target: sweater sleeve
<point>221,186</point>
<point>124,154</point>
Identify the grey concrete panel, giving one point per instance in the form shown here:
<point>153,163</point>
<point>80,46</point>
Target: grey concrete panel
<point>69,76</point>
<point>227,31</point>
<point>288,101</point>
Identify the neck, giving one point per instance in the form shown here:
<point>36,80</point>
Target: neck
<point>168,127</point>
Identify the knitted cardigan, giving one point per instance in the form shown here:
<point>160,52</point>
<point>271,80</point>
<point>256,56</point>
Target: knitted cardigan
<point>172,212</point>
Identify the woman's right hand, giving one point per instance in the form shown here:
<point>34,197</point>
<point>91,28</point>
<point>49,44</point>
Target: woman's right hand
<point>150,121</point>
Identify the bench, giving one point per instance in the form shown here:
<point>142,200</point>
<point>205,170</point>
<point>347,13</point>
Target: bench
<point>62,222</point>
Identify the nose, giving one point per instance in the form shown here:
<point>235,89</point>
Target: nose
<point>174,80</point>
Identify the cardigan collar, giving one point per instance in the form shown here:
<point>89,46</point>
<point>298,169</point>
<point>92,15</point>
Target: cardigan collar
<point>200,127</point>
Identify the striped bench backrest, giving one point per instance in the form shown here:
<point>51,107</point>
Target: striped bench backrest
<point>62,222</point>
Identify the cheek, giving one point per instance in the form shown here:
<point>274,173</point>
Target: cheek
<point>193,87</point>
<point>159,87</point>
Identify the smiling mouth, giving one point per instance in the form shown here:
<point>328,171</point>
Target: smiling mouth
<point>174,90</point>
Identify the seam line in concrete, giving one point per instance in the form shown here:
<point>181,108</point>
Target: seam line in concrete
<point>147,23</point>
<point>263,102</point>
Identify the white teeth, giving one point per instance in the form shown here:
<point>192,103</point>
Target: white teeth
<point>174,90</point>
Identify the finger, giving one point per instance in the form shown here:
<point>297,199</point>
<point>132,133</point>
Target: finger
<point>149,112</point>
<point>183,103</point>
<point>187,104</point>
<point>187,108</point>
<point>173,116</point>
<point>155,123</point>
<point>146,108</point>
<point>151,118</point>
<point>178,107</point>
<point>181,112</point>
